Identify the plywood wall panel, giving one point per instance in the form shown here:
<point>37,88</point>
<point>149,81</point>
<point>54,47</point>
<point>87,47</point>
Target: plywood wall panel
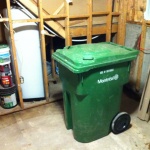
<point>51,5</point>
<point>32,6</point>
<point>99,5</point>
<point>78,7</point>
<point>135,8</point>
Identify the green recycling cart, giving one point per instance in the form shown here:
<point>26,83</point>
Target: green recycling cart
<point>92,76</point>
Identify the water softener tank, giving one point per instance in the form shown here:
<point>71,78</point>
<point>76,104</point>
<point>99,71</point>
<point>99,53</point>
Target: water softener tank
<point>27,43</point>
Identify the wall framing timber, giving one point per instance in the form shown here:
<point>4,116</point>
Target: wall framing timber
<point>68,32</point>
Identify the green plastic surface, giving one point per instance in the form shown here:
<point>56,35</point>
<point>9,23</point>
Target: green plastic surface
<point>81,58</point>
<point>92,83</point>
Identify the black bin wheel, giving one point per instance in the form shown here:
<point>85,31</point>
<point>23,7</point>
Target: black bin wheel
<point>120,123</point>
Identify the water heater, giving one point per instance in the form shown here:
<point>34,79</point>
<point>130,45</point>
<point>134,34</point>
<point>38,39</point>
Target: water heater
<point>27,43</point>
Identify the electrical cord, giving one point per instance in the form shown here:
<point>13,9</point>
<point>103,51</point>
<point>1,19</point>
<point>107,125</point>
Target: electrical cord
<point>139,46</point>
<point>144,52</point>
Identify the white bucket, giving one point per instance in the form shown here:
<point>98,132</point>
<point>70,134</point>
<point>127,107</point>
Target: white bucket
<point>8,101</point>
<point>4,55</point>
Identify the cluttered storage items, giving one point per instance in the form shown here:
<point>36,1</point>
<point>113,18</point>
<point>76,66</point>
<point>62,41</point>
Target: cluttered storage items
<point>7,86</point>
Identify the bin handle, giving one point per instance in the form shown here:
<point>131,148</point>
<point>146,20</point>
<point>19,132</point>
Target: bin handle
<point>88,57</point>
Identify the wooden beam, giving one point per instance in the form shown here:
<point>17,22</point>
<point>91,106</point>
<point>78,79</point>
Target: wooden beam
<point>68,39</point>
<point>78,16</point>
<point>116,5</point>
<point>13,48</point>
<point>89,21</point>
<point>55,16</point>
<point>141,56</point>
<point>100,13</point>
<point>109,20</point>
<point>140,6</point>
<point>25,20</point>
<point>134,9</point>
<point>122,22</point>
<point>131,10</point>
<point>59,9</point>
<point>43,51</point>
<point>120,9</point>
<point>75,22</point>
<point>115,13</point>
<point>52,60</point>
<point>148,22</point>
<point>101,29</point>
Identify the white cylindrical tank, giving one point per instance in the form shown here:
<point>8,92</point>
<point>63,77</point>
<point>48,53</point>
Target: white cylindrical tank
<point>27,42</point>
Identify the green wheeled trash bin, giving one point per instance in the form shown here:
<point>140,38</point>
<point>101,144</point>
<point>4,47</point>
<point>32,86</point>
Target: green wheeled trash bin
<point>92,77</point>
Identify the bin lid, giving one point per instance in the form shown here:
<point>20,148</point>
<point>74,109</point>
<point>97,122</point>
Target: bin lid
<point>84,57</point>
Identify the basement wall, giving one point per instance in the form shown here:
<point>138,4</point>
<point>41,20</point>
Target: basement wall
<point>133,31</point>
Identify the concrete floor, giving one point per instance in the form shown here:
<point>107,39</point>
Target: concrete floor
<point>43,128</point>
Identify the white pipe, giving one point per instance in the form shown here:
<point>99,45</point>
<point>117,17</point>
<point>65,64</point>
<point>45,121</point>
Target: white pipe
<point>83,40</point>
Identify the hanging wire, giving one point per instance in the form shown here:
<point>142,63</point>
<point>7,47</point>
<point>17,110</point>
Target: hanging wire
<point>139,46</point>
